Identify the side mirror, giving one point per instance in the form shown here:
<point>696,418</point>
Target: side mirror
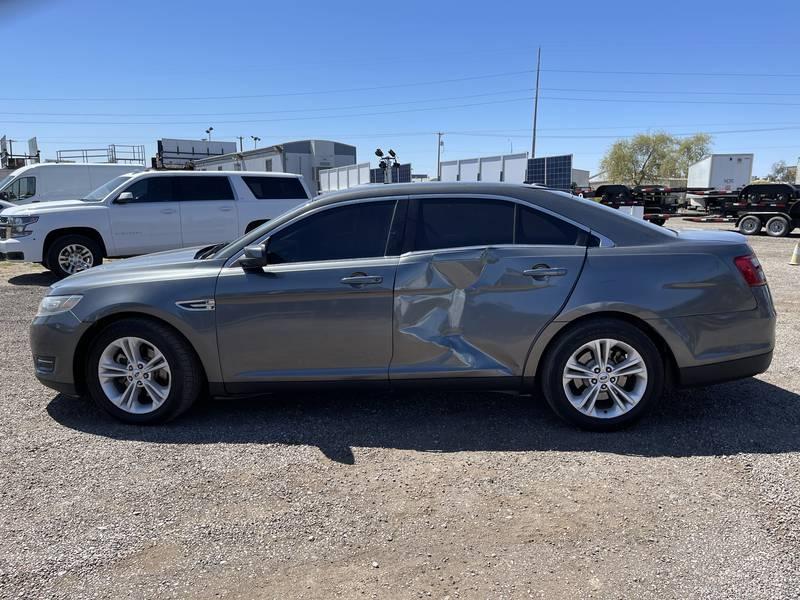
<point>124,198</point>
<point>3,195</point>
<point>255,257</point>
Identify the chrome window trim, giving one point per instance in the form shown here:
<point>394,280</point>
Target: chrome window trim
<point>231,262</point>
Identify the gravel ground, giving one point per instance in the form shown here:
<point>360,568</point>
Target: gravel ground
<point>445,495</point>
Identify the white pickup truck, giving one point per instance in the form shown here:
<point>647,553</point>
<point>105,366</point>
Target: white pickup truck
<point>146,212</point>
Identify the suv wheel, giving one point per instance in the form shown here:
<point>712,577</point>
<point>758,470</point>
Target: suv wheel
<point>749,225</point>
<point>142,372</point>
<point>603,375</point>
<point>778,227</point>
<point>71,254</point>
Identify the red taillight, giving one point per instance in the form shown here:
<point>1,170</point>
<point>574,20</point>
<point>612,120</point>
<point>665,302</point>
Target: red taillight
<point>751,270</point>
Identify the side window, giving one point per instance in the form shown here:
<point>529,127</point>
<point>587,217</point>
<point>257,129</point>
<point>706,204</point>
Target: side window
<point>22,188</point>
<point>152,189</point>
<point>352,231</point>
<point>190,189</point>
<point>457,222</point>
<point>276,188</point>
<point>537,228</point>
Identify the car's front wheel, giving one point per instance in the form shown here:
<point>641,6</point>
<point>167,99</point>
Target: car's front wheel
<point>70,254</point>
<point>141,371</point>
<point>602,375</point>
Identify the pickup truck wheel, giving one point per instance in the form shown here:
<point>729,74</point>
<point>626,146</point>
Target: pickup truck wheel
<point>142,372</point>
<point>71,254</point>
<point>749,225</point>
<point>778,227</point>
<point>602,375</point>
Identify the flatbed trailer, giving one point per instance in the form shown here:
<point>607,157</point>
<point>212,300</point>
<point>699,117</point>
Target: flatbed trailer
<point>659,203</point>
<point>774,207</point>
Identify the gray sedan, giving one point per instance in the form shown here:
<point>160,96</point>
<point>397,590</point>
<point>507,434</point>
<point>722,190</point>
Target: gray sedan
<point>472,285</point>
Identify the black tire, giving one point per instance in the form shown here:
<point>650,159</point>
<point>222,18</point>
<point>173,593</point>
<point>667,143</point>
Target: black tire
<point>749,225</point>
<point>79,241</point>
<point>560,351</point>
<point>187,378</point>
<point>778,227</point>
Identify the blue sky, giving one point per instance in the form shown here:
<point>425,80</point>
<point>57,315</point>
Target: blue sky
<point>89,73</point>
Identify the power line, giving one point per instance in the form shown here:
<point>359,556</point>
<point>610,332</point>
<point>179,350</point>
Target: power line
<point>278,95</point>
<point>402,85</point>
<point>270,112</point>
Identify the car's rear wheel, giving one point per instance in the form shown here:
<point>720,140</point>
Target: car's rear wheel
<point>70,254</point>
<point>778,227</point>
<point>749,225</point>
<point>142,372</point>
<point>602,375</point>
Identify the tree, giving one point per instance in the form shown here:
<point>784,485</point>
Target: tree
<point>782,172</point>
<point>648,157</point>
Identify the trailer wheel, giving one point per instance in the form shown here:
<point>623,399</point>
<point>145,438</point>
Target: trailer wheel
<point>778,227</point>
<point>749,225</point>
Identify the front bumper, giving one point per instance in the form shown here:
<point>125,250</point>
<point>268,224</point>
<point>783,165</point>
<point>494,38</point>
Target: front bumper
<point>54,341</point>
<point>21,249</point>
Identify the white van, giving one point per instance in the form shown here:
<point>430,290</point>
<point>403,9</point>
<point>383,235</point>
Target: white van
<point>139,213</point>
<point>44,182</point>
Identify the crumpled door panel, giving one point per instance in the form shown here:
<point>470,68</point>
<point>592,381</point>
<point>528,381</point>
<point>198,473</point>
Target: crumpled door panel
<point>473,312</point>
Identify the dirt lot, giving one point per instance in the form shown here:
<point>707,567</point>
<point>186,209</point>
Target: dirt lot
<point>402,496</point>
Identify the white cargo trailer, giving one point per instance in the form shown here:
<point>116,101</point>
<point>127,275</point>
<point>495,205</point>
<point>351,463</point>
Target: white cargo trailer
<point>720,173</point>
<point>723,172</point>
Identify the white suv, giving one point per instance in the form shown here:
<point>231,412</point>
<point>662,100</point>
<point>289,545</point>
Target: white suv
<point>146,212</point>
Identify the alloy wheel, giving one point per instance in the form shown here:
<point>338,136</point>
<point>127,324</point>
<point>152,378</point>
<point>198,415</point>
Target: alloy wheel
<point>74,258</point>
<point>605,378</point>
<point>134,375</point>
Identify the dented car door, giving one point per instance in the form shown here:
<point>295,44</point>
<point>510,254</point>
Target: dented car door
<point>475,311</point>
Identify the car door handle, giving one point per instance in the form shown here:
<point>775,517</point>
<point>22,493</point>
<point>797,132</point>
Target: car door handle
<point>226,208</point>
<point>542,273</point>
<point>168,211</point>
<point>362,280</point>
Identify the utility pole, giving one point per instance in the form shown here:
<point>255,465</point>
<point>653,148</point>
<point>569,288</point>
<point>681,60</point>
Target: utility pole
<point>255,139</point>
<point>241,149</point>
<point>439,156</point>
<point>536,101</point>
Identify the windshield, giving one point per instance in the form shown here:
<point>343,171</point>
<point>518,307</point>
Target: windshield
<point>105,189</point>
<point>4,181</point>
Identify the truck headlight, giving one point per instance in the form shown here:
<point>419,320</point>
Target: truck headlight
<point>18,226</point>
<point>53,305</point>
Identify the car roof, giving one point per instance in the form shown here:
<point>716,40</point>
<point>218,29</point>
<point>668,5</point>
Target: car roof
<point>621,228</point>
<point>173,173</point>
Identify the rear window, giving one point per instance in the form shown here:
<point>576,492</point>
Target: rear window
<point>276,188</point>
<point>462,222</point>
<point>189,189</point>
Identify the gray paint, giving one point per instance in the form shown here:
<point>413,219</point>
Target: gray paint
<point>467,312</point>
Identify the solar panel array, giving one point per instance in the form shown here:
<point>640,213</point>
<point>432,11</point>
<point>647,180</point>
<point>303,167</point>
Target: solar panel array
<point>400,174</point>
<point>552,171</point>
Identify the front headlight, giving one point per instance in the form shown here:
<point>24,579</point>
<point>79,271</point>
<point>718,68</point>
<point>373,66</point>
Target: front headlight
<point>53,305</point>
<point>18,226</point>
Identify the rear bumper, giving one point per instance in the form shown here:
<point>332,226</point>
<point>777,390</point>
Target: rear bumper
<point>724,371</point>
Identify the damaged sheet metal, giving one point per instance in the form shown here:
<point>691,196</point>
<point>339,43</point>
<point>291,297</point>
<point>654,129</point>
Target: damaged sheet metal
<point>474,311</point>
